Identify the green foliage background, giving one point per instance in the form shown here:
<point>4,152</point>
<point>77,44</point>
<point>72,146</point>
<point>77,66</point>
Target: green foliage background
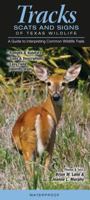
<point>56,57</point>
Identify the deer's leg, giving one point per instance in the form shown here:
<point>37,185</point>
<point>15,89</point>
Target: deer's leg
<point>27,155</point>
<point>28,143</point>
<point>50,152</point>
<point>47,163</point>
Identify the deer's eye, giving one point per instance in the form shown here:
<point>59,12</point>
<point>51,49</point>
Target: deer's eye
<point>48,83</point>
<point>63,84</point>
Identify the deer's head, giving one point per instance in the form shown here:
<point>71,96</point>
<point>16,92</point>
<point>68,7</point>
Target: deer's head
<point>57,82</point>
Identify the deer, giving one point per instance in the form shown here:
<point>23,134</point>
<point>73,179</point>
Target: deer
<point>35,130</point>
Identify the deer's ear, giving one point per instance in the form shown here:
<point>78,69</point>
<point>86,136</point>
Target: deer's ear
<point>41,72</point>
<point>72,73</point>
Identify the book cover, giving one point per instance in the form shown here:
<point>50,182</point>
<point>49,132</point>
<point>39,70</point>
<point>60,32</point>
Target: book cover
<point>44,97</point>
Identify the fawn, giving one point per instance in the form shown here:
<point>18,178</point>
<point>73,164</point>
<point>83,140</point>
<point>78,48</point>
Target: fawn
<point>35,130</point>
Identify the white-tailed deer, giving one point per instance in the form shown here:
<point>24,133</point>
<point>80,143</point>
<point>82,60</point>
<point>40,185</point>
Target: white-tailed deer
<point>35,130</point>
